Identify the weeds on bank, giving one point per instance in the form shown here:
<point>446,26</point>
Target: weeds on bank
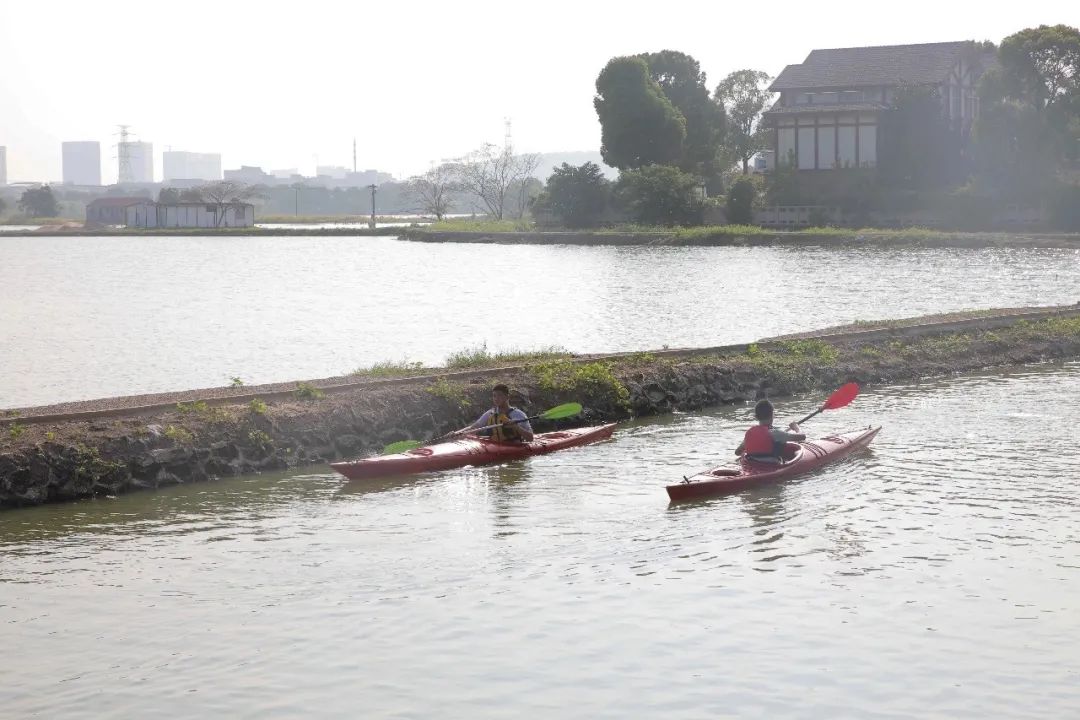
<point>202,410</point>
<point>595,381</point>
<point>792,361</point>
<point>16,430</point>
<point>453,393</point>
<point>90,464</point>
<point>179,435</point>
<point>257,407</point>
<point>480,356</point>
<point>260,439</point>
<point>390,368</point>
<point>307,391</point>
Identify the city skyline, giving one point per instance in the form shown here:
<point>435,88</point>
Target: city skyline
<point>411,96</point>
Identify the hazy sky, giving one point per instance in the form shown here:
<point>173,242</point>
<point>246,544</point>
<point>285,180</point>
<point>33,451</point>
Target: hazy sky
<point>277,84</point>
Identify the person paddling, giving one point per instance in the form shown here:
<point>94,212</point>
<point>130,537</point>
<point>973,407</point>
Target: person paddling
<point>513,423</point>
<point>765,443</point>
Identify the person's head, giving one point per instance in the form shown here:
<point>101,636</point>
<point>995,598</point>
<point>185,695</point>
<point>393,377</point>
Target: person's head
<point>763,412</point>
<point>500,394</point>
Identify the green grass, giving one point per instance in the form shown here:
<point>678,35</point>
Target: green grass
<point>307,391</point>
<point>390,368</point>
<point>319,219</point>
<point>480,356</point>
<point>482,225</point>
<point>591,381</point>
<point>257,407</point>
<point>452,392</point>
<point>179,435</point>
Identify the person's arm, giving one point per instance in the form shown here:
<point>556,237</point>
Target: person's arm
<point>524,427</point>
<point>742,446</point>
<point>481,421</point>
<point>782,436</point>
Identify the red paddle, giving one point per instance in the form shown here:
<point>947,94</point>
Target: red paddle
<point>838,399</point>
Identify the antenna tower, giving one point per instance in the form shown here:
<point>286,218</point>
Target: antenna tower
<point>508,143</point>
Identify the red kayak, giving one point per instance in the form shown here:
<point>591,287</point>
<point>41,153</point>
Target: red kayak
<point>468,451</point>
<point>798,458</point>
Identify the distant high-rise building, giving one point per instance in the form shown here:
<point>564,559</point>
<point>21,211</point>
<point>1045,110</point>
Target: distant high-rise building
<point>3,166</point>
<point>178,165</point>
<point>140,160</point>
<point>82,162</point>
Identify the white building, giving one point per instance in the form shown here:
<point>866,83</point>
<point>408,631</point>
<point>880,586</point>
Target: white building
<point>336,172</point>
<point>82,162</point>
<point>3,166</point>
<point>140,159</point>
<point>144,213</point>
<point>179,165</point>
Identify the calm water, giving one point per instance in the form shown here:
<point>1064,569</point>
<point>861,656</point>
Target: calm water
<point>935,576</point>
<point>93,317</point>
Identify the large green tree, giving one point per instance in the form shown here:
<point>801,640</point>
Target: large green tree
<point>638,123</point>
<point>577,195</point>
<point>745,97</point>
<point>915,150</point>
<point>660,195</point>
<point>39,202</point>
<point>1029,119</point>
<point>680,78</point>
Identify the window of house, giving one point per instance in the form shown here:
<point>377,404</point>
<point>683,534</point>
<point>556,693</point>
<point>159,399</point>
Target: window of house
<point>868,145</point>
<point>211,208</point>
<point>851,96</point>
<point>846,146</point>
<point>826,148</point>
<point>806,148</point>
<point>826,98</point>
<point>804,99</point>
<point>785,145</point>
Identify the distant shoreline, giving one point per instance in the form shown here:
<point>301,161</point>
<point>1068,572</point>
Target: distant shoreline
<point>730,236</point>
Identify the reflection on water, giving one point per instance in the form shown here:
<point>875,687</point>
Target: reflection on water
<point>91,318</point>
<point>943,561</point>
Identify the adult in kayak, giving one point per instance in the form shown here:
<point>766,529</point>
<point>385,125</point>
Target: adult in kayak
<point>765,443</point>
<point>513,424</point>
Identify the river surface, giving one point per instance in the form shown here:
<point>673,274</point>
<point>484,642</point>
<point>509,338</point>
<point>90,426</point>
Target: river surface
<point>94,317</point>
<point>936,575</point>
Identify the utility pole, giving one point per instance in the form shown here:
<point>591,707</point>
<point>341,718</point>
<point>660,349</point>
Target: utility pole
<point>296,206</point>
<point>371,223</point>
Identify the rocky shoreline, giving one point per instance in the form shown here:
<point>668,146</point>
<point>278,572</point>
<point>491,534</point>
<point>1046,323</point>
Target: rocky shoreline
<point>119,445</point>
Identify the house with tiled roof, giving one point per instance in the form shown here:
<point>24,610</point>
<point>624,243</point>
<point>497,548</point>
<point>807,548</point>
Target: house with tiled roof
<point>828,112</point>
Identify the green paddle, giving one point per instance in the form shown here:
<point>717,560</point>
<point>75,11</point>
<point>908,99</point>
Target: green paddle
<point>556,413</point>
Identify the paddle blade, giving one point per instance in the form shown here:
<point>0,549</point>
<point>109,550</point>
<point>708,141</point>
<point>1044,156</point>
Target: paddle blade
<point>562,411</point>
<point>401,446</point>
<point>841,397</point>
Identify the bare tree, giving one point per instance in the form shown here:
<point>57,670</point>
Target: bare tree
<point>223,194</point>
<point>491,173</point>
<point>527,165</point>
<point>433,189</point>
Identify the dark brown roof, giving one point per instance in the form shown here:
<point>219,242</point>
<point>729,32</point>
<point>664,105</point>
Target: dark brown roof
<point>862,66</point>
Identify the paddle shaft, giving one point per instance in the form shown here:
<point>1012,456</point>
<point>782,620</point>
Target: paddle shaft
<point>816,412</point>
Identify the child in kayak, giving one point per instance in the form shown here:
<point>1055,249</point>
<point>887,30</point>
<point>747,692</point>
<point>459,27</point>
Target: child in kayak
<point>763,442</point>
<point>502,412</point>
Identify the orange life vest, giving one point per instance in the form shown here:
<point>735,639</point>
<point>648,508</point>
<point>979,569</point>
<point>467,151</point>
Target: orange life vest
<point>759,441</point>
